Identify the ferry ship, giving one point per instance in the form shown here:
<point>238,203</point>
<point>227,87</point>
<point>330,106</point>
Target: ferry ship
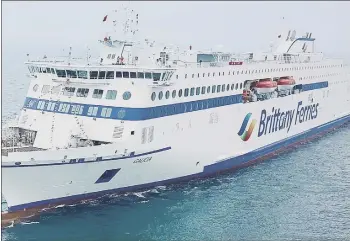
<point>145,114</point>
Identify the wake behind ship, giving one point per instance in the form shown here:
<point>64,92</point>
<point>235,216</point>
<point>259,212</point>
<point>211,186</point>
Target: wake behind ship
<point>145,114</point>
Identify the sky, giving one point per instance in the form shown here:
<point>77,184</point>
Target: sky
<point>49,27</point>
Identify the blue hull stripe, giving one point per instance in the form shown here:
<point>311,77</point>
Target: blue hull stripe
<point>226,165</point>
<point>98,159</point>
<point>138,114</point>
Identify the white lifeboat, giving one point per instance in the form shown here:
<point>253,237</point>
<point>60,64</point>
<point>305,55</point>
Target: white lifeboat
<point>285,83</point>
<point>265,86</point>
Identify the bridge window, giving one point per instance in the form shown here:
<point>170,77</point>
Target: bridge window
<point>82,74</point>
<point>82,92</point>
<point>68,91</point>
<point>153,96</point>
<point>140,75</point>
<point>133,75</point>
<point>192,92</point>
<point>126,95</point>
<point>148,75</point>
<point>186,92</point>
<point>110,75</point>
<point>45,89</point>
<point>111,94</point>
<point>48,70</point>
<point>118,74</point>
<point>97,94</point>
<point>125,74</point>
<point>71,74</point>
<point>52,71</point>
<point>160,95</point>
<point>173,94</point>
<point>93,74</point>
<point>156,76</point>
<point>102,74</point>
<point>167,94</point>
<point>61,73</point>
<point>31,69</point>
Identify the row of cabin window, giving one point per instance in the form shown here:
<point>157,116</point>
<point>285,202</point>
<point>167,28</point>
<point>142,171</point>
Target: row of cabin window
<point>82,74</point>
<point>81,92</point>
<point>198,90</point>
<point>260,71</point>
<point>97,94</point>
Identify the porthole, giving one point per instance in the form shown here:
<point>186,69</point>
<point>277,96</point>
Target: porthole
<point>173,94</point>
<point>223,88</point>
<point>180,92</point>
<point>160,95</point>
<point>167,94</point>
<point>232,86</point>
<point>153,96</point>
<point>35,88</point>
<point>236,86</point>
<point>208,89</point>
<point>192,75</point>
<point>227,87</point>
<point>223,73</point>
<point>241,85</point>
<point>126,95</point>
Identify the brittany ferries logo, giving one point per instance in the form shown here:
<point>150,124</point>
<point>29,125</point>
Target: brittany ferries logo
<point>245,135</point>
<point>278,120</point>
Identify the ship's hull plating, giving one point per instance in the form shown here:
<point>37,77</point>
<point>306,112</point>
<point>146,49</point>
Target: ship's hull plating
<point>205,143</point>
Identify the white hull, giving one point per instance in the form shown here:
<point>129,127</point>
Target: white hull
<point>191,150</point>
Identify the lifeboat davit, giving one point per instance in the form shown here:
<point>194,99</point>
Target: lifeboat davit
<point>265,86</point>
<point>285,83</point>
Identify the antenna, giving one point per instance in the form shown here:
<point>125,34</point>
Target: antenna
<point>288,35</point>
<point>70,55</point>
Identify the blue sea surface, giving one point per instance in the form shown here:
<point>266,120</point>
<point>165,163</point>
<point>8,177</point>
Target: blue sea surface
<point>303,194</point>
